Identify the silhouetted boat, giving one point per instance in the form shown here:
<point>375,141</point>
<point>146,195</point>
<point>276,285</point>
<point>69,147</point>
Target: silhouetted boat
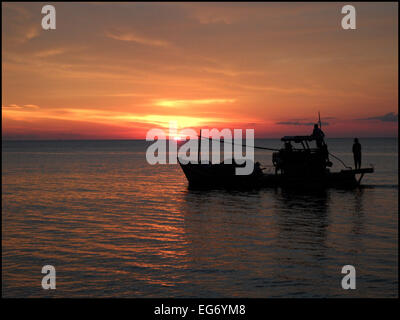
<point>298,168</point>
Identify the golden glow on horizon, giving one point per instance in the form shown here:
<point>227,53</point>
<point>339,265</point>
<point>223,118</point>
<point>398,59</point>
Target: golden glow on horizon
<point>109,117</point>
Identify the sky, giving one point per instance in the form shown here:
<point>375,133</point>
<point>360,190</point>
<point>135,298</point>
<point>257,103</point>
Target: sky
<point>117,70</point>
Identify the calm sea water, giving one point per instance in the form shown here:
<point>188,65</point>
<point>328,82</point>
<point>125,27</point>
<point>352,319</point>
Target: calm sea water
<point>114,226</point>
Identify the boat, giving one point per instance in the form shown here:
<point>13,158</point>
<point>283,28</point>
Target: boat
<point>301,167</point>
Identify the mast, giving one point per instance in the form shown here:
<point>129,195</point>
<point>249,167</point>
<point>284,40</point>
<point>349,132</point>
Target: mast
<point>199,148</point>
<point>319,120</point>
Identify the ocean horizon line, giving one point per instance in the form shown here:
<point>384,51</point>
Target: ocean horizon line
<point>269,138</point>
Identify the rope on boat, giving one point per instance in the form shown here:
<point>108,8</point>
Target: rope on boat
<point>242,145</point>
<point>271,149</point>
<point>340,161</point>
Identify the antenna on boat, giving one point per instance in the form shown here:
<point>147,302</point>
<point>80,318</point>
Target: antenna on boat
<point>199,148</point>
<point>319,120</point>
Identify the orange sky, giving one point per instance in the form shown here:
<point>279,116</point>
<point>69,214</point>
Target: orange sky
<point>116,70</point>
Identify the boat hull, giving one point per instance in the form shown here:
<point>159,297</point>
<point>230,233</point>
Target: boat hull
<point>223,176</point>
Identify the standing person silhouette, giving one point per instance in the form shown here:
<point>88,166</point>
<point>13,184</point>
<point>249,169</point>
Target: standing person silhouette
<point>319,135</point>
<point>357,154</point>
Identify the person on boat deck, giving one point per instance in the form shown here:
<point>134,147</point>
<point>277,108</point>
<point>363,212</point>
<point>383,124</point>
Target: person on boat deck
<point>288,146</point>
<point>357,154</point>
<point>257,168</point>
<point>319,135</point>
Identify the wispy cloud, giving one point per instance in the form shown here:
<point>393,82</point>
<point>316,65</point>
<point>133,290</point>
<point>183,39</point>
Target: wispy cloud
<point>128,94</point>
<point>31,32</point>
<point>133,37</point>
<point>298,123</point>
<point>29,107</point>
<point>183,103</point>
<point>388,117</point>
<point>114,118</point>
<point>49,52</point>
<point>21,23</point>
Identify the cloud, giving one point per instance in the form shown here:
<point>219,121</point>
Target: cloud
<point>298,123</point>
<point>21,107</point>
<point>132,37</point>
<point>50,52</point>
<point>183,103</point>
<point>126,120</point>
<point>22,25</point>
<point>388,117</point>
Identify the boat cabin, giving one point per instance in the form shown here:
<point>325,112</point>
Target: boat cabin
<point>301,158</point>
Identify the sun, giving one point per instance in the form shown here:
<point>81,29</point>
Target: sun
<point>177,138</point>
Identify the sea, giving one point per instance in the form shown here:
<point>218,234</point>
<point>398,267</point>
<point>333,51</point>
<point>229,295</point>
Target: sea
<point>112,225</point>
